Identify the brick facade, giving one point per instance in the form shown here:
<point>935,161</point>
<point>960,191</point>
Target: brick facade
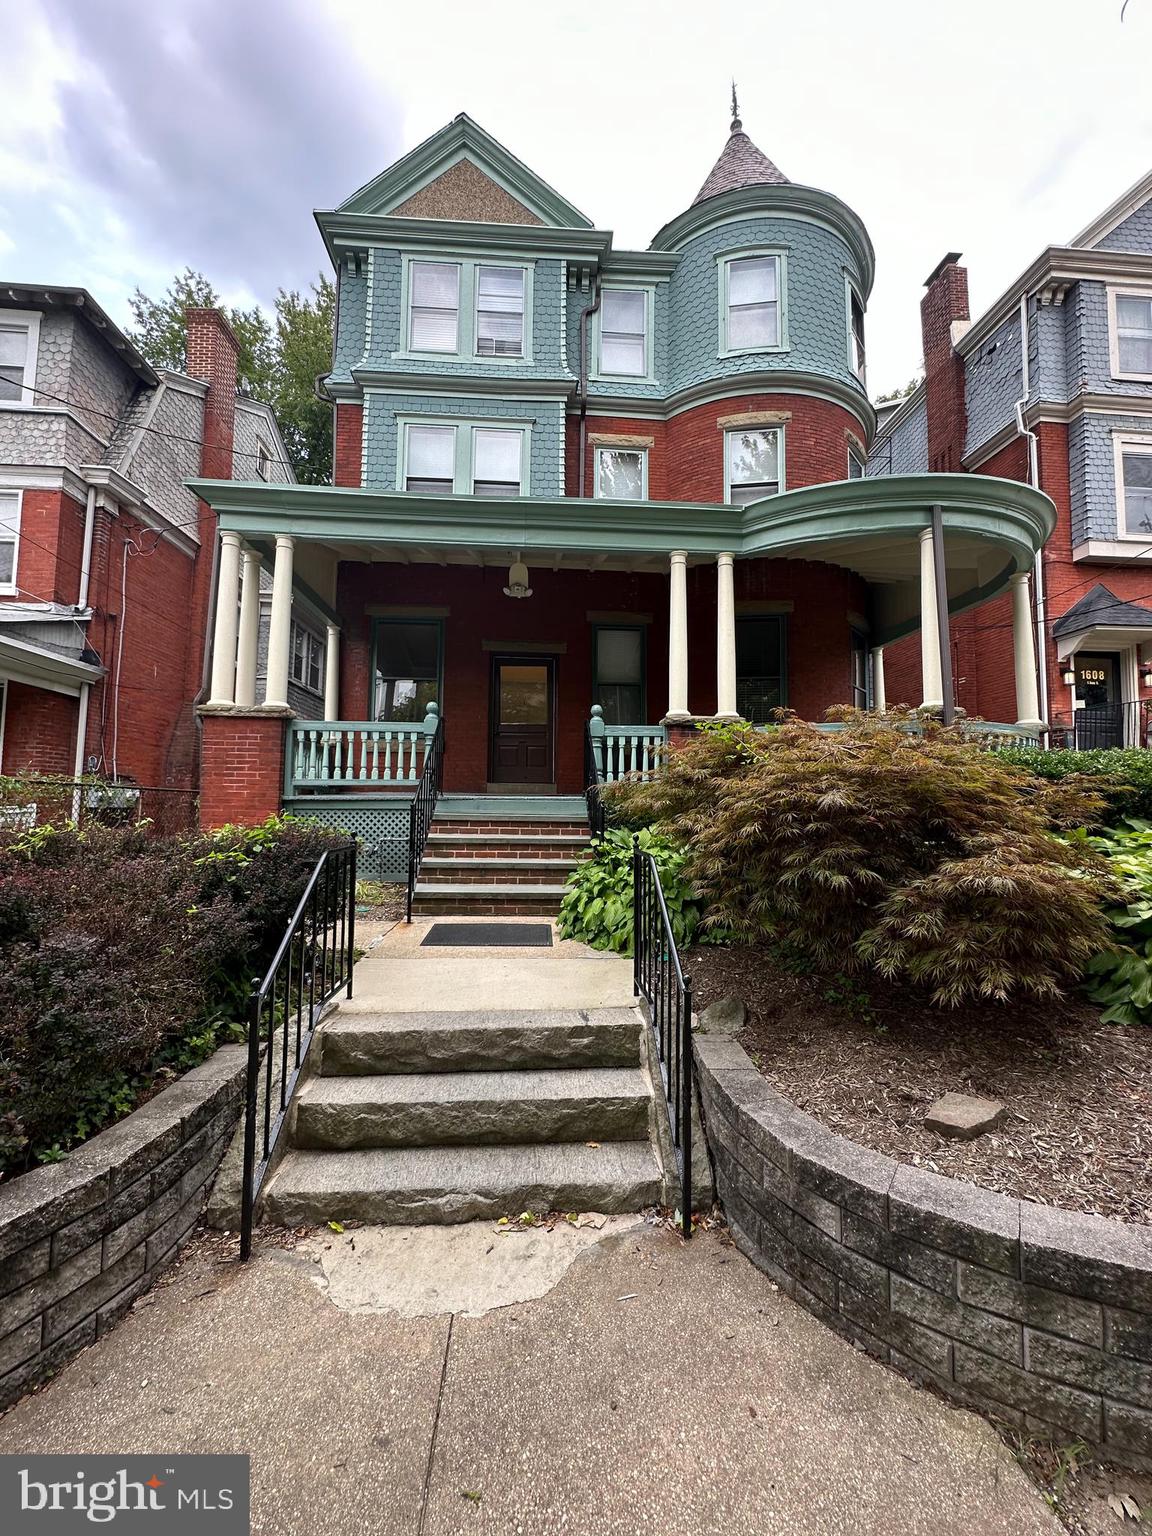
<point>348,445</point>
<point>39,731</point>
<point>943,306</point>
<point>241,768</point>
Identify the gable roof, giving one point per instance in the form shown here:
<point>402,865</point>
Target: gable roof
<point>1101,608</point>
<point>1115,214</point>
<point>464,140</point>
<point>740,164</point>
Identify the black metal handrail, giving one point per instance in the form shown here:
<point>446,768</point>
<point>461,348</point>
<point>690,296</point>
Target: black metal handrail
<point>593,779</point>
<point>661,982</point>
<point>312,964</point>
<point>1090,726</point>
<point>423,808</point>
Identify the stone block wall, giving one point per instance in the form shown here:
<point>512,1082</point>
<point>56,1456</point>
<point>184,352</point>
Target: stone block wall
<point>81,1239</point>
<point>1041,1318</point>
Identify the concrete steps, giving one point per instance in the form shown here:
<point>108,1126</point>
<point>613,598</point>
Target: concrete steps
<point>449,1184</point>
<point>455,1116</point>
<point>473,1108</point>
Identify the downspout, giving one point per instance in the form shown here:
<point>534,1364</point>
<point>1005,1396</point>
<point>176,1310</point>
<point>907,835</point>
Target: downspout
<point>1038,597</point>
<point>583,396</point>
<point>81,742</point>
<point>86,555</point>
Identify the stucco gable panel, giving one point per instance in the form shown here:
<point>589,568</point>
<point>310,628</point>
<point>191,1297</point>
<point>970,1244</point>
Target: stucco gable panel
<point>463,191</point>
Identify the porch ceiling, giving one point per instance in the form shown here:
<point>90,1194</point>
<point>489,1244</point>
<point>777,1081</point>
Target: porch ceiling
<point>993,528</point>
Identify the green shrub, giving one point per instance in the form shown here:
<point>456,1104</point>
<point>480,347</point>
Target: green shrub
<point>915,853</point>
<point>599,902</point>
<point>1122,776</point>
<point>1119,978</point>
<point>126,959</point>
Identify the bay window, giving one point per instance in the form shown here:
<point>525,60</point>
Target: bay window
<point>753,464</point>
<point>750,303</point>
<point>622,473</point>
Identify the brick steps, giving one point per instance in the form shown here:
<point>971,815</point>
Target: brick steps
<point>513,864</point>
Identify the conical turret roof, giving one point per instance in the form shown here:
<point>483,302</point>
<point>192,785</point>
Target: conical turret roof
<point>740,164</point>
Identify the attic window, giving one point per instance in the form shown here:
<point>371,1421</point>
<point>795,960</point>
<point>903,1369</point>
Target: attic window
<point>263,460</point>
<point>500,311</point>
<point>19,338</point>
<point>1133,341</point>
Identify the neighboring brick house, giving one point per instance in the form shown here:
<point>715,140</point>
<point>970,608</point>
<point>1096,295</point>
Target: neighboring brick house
<point>106,557</point>
<point>1052,384</point>
<point>570,477</point>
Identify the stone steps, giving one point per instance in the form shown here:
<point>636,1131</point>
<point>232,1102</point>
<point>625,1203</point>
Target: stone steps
<point>360,1040</point>
<point>473,1108</point>
<point>451,1184</point>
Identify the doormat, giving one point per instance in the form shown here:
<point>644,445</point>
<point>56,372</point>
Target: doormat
<point>496,935</point>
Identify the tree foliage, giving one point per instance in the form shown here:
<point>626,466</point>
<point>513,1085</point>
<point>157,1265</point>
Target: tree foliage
<point>279,360</point>
<point>891,843</point>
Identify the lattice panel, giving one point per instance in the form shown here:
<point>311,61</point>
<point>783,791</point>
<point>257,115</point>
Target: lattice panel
<point>381,830</point>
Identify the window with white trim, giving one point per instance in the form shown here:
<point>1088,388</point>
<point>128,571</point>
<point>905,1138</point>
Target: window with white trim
<point>857,464</point>
<point>751,303</point>
<point>1132,342</point>
<point>622,473</point>
<point>263,459</point>
<point>1135,498</point>
<point>434,306</point>
<point>464,459</point>
<point>307,661</point>
<point>9,538</point>
<point>753,464</point>
<point>500,311</point>
<point>856,333</point>
<point>624,332</point>
<point>19,341</point>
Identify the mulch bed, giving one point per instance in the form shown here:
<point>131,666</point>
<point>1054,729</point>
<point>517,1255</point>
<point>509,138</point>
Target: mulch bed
<point>867,1059</point>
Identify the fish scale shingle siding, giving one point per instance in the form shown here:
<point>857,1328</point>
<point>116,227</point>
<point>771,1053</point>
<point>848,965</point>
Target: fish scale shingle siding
<point>381,443</point>
<point>1134,234</point>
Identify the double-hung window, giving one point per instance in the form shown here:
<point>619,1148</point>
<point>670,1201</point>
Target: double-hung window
<point>500,311</point>
<point>751,318</point>
<point>9,538</point>
<point>434,306</point>
<point>618,680</point>
<point>753,464</point>
<point>464,459</point>
<point>856,333</point>
<point>624,332</point>
<point>761,673</point>
<point>1132,334</point>
<point>857,464</point>
<point>263,459</point>
<point>1135,498</point>
<point>622,473</point>
<point>19,337</point>
<point>406,674</point>
<point>307,658</point>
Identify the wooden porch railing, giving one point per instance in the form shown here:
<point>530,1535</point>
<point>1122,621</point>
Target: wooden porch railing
<point>626,750</point>
<point>331,754</point>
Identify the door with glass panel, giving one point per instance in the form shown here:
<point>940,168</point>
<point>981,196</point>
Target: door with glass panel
<point>1099,714</point>
<point>523,707</point>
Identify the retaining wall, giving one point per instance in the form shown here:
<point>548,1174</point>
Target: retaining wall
<point>1040,1317</point>
<point>81,1239</point>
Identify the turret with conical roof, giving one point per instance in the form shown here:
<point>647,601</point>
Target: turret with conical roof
<point>741,164</point>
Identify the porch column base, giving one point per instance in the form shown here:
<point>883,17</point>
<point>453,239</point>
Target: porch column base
<point>678,718</point>
<point>241,764</point>
<point>727,719</point>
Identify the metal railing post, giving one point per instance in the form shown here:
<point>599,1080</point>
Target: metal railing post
<point>351,957</point>
<point>247,1193</point>
<point>637,918</point>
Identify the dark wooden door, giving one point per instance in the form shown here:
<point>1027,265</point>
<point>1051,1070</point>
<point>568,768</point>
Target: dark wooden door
<point>1099,713</point>
<point>523,703</point>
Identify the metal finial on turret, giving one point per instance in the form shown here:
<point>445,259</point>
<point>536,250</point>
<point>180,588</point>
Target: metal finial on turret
<point>737,125</point>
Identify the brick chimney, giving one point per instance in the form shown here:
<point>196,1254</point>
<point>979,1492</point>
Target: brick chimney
<point>212,353</point>
<point>943,319</point>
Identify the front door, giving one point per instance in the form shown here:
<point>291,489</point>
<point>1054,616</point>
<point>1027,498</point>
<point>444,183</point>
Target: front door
<point>1099,713</point>
<point>523,693</point>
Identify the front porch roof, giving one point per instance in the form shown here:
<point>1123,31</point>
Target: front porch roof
<point>993,529</point>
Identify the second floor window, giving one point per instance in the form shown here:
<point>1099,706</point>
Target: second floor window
<point>496,462</point>
<point>9,535</point>
<point>464,459</point>
<point>751,304</point>
<point>1136,500</point>
<point>431,463</point>
<point>1134,333</point>
<point>434,324</point>
<point>624,331</point>
<point>500,311</point>
<point>307,658</point>
<point>753,464</point>
<point>622,473</point>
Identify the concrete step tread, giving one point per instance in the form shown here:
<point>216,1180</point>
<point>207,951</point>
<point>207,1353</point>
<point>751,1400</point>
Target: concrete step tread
<point>350,1021</point>
<point>488,892</point>
<point>479,1087</point>
<point>480,1178</point>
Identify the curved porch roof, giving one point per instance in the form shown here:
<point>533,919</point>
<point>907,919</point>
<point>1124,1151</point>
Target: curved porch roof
<point>993,529</point>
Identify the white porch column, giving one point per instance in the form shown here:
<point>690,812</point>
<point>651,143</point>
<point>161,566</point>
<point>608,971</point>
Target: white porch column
<point>1024,655</point>
<point>932,682</point>
<point>249,629</point>
<point>332,674</point>
<point>223,680</point>
<point>678,636</point>
<point>280,625</point>
<point>879,695</point>
<point>725,640</point>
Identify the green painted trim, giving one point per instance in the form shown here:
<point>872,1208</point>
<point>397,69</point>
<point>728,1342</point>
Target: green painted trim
<point>642,266</point>
<point>361,232</point>
<point>380,381</point>
<point>601,448</point>
<point>463,138</point>
<point>464,449</point>
<point>795,201</point>
<point>724,260</point>
<point>648,376</point>
<point>781,440</point>
<point>467,298</point>
<point>759,381</point>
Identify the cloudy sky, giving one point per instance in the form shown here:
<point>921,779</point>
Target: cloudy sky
<point>140,136</point>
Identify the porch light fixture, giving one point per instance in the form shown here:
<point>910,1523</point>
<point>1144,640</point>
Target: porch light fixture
<point>1068,676</point>
<point>518,581</point>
